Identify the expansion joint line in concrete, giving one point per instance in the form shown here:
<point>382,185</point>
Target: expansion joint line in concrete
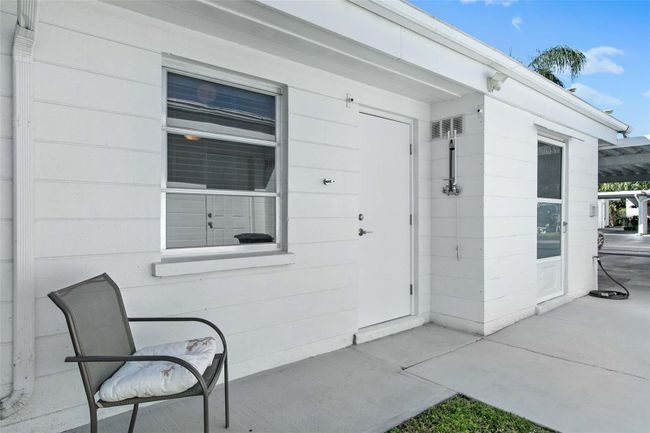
<point>442,354</point>
<point>600,367</point>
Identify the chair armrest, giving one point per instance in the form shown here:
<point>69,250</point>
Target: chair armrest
<point>185,319</point>
<point>142,358</point>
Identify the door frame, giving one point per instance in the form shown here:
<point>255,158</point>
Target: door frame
<point>412,123</point>
<point>564,217</point>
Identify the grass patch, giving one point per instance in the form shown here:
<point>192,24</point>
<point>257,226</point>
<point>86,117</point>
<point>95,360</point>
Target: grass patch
<point>461,414</point>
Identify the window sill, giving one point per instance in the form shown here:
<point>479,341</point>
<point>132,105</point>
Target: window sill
<point>199,265</point>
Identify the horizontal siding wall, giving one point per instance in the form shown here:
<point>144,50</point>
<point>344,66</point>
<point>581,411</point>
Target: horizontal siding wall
<point>511,210</point>
<point>493,281</point>
<point>511,115</point>
<point>510,214</point>
<point>98,146</point>
<point>456,255</point>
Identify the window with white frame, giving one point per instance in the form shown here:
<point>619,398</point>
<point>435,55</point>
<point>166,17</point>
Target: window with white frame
<point>221,189</point>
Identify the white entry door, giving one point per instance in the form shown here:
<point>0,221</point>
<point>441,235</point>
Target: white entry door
<point>384,220</point>
<point>551,220</point>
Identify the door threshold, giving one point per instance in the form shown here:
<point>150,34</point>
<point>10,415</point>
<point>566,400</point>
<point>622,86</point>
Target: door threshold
<point>383,329</point>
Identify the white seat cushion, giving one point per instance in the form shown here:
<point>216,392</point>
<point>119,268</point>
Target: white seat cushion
<point>156,378</point>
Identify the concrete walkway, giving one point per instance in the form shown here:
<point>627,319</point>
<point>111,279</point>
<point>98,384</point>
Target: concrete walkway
<point>584,367</point>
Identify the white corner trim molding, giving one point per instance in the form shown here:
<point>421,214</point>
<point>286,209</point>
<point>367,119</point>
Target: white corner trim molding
<point>199,265</point>
<point>23,335</point>
<point>385,329</point>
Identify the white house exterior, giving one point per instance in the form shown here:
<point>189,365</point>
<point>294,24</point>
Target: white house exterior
<point>351,89</point>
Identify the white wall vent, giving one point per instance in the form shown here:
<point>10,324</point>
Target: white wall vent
<point>440,128</point>
<point>458,124</point>
<point>436,131</point>
<point>445,127</point>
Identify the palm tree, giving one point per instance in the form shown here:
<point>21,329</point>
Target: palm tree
<point>557,60</point>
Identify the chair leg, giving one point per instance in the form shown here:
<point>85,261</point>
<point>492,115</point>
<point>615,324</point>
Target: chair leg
<point>134,415</point>
<point>206,414</point>
<point>93,419</point>
<point>225,392</point>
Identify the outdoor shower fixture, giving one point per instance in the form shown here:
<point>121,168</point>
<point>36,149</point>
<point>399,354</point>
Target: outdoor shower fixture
<point>451,188</point>
<point>449,128</point>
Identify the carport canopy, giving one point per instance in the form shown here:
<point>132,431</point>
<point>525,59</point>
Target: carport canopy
<point>626,161</point>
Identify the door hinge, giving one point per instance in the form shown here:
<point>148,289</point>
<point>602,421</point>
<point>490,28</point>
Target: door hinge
<point>410,148</point>
<point>410,289</point>
<point>411,219</point>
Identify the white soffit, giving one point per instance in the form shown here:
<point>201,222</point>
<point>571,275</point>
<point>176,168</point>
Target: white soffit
<point>252,24</point>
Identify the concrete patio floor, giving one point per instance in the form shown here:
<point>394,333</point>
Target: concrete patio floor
<point>583,367</point>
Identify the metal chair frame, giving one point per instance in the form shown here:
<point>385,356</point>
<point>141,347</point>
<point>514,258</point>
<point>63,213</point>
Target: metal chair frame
<point>202,388</point>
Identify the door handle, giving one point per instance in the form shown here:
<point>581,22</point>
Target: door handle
<point>564,226</point>
<point>210,224</point>
<point>363,232</point>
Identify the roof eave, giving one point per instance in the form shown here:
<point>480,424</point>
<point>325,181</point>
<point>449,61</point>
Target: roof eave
<point>419,21</point>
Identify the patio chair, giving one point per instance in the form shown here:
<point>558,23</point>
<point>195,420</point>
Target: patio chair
<point>102,340</point>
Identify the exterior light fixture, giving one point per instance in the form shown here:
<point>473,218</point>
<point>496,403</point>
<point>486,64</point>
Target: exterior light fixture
<point>495,81</point>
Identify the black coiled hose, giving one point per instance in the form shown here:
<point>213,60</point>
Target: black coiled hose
<point>610,294</point>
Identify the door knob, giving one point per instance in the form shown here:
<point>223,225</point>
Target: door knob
<point>363,232</point>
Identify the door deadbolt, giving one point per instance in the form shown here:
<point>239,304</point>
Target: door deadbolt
<point>360,217</point>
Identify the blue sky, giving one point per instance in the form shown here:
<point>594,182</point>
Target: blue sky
<point>615,36</point>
